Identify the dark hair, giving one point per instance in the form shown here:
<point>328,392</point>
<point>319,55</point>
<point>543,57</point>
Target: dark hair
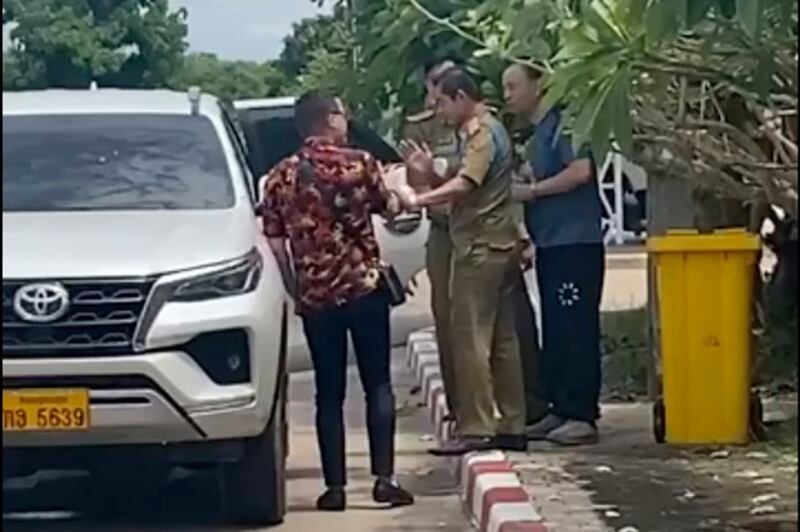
<point>455,81</point>
<point>311,111</point>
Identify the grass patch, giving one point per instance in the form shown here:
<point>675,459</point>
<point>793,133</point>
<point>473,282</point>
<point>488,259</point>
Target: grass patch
<point>625,346</point>
<point>782,439</point>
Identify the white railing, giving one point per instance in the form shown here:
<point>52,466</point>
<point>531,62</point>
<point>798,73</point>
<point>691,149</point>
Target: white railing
<point>614,209</point>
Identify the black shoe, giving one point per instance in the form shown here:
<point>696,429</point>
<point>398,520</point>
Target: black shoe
<point>464,445</point>
<point>333,500</point>
<point>517,443</point>
<point>392,494</point>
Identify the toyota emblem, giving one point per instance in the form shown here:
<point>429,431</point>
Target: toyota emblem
<point>41,302</point>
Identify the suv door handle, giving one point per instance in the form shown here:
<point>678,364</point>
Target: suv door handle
<point>405,223</point>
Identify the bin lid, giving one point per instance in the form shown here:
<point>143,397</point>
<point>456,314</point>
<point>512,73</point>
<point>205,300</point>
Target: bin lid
<point>691,240</point>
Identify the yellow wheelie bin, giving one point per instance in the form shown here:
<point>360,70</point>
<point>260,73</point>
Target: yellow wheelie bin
<point>705,294</point>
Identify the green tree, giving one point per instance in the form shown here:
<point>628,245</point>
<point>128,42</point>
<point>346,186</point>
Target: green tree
<point>390,41</point>
<point>232,80</point>
<point>322,53</point>
<point>699,86</point>
<point>373,53</point>
<point>705,89</point>
<point>13,76</point>
<point>124,43</point>
<point>307,37</point>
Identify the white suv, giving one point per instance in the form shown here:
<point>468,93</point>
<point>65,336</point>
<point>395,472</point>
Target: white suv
<point>144,319</point>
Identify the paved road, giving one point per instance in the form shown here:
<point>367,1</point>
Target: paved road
<point>189,503</point>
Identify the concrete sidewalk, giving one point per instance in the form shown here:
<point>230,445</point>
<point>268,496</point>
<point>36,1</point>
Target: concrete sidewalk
<point>630,481</point>
<point>627,482</point>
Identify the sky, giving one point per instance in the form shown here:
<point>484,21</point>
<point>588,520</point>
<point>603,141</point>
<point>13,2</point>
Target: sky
<point>244,29</point>
<point>240,29</point>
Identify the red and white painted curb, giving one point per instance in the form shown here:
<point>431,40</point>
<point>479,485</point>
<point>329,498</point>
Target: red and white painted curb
<point>491,489</point>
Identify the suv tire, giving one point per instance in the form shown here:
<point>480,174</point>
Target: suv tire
<point>254,488</point>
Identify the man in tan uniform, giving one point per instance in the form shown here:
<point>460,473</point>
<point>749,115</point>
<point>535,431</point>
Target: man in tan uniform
<point>484,268</point>
<point>429,129</point>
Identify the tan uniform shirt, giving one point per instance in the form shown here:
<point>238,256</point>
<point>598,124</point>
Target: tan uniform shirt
<point>485,215</point>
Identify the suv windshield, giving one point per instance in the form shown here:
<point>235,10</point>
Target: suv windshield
<point>113,162</point>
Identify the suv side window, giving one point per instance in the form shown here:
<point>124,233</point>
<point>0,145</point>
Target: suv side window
<point>237,139</point>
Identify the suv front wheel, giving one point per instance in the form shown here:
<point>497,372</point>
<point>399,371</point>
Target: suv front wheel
<point>254,488</point>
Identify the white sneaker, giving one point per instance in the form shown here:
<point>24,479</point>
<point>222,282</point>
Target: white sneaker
<point>574,433</point>
<point>543,428</point>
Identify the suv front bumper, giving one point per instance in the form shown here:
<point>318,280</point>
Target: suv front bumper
<point>156,398</point>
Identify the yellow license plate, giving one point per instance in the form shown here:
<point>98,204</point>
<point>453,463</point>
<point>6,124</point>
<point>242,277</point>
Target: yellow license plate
<point>45,410</point>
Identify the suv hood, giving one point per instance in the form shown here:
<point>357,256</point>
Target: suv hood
<point>62,245</point>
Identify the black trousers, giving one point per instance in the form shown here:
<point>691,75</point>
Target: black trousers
<point>571,284</point>
<point>367,320</point>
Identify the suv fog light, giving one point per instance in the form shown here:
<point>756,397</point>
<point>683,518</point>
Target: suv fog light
<point>234,362</point>
<point>223,355</point>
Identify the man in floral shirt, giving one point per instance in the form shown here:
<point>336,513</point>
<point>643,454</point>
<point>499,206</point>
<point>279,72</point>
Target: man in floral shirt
<point>320,202</point>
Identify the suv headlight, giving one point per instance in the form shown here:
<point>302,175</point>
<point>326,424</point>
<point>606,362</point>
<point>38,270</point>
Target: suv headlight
<point>238,278</point>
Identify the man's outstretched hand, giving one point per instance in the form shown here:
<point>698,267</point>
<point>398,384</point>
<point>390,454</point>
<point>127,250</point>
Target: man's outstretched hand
<point>419,161</point>
<point>395,177</point>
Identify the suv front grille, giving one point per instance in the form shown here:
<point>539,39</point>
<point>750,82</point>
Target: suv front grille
<point>102,319</point>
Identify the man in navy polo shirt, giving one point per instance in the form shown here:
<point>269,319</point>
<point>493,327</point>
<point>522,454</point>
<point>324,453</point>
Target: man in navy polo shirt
<point>563,216</point>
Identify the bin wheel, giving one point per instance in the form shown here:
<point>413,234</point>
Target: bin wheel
<point>758,431</point>
<point>659,421</point>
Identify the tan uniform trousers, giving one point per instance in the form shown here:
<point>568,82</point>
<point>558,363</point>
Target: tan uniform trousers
<point>438,259</point>
<point>484,339</point>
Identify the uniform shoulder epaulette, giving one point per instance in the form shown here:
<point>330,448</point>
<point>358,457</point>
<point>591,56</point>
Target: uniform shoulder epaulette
<point>421,116</point>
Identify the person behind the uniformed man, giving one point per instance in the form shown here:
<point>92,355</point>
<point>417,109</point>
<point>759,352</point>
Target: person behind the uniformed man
<point>484,266</point>
<point>427,128</point>
<point>536,404</point>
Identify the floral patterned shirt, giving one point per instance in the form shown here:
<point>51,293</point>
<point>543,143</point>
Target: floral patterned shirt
<point>322,200</point>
